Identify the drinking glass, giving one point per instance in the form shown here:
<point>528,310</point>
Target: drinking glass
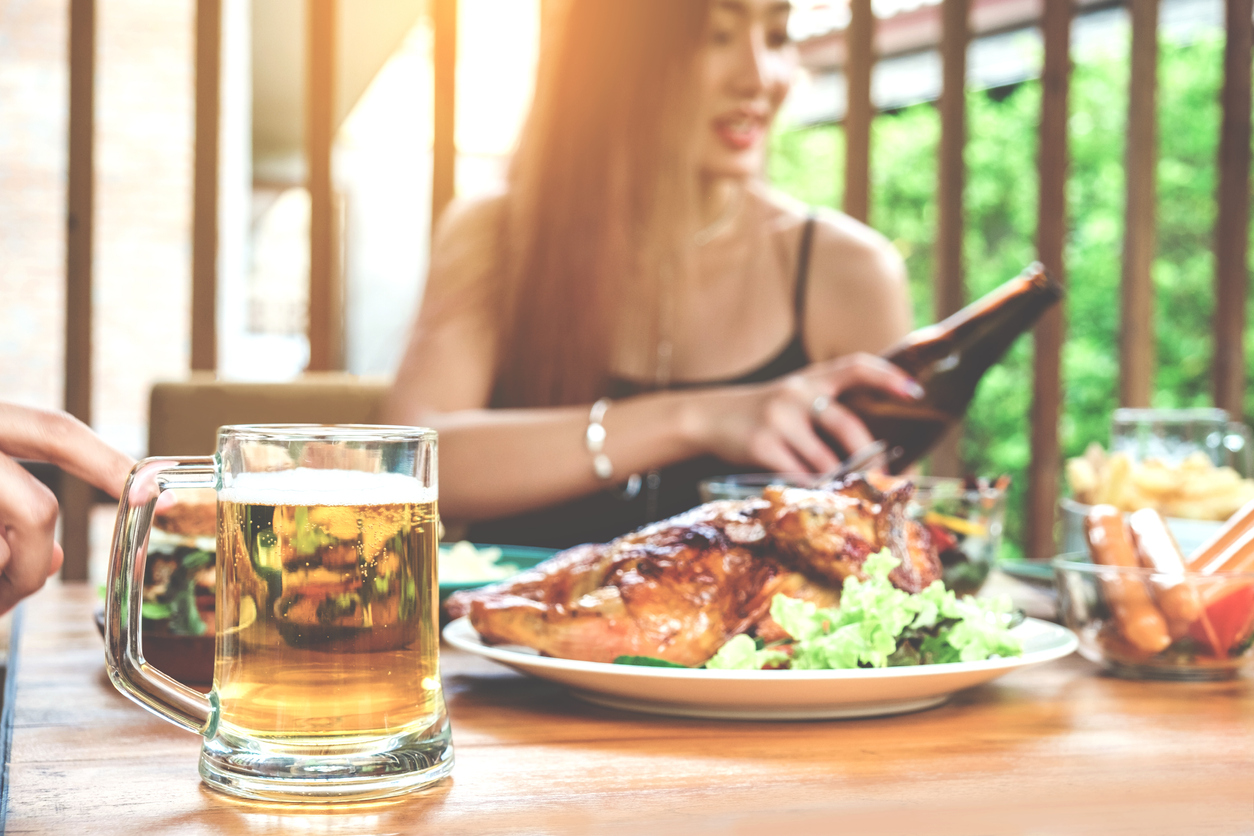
<point>326,681</point>
<point>1172,435</point>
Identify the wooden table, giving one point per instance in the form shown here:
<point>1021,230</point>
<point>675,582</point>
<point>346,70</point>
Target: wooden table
<point>1055,749</point>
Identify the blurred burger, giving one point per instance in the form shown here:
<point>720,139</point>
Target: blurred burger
<point>335,601</point>
<point>180,575</point>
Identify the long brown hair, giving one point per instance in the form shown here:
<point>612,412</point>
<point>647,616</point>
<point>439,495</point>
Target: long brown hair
<point>601,195</point>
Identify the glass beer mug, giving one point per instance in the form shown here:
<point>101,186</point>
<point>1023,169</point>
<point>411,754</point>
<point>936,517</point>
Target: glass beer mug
<point>326,680</point>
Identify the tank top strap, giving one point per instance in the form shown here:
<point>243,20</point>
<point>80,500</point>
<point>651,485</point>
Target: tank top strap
<point>803,274</point>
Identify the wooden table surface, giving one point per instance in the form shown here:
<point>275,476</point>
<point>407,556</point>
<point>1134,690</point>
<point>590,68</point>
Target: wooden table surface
<point>1057,749</point>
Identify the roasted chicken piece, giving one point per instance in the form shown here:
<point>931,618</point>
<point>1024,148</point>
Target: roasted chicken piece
<point>679,589</point>
<point>675,590</point>
<point>830,533</point>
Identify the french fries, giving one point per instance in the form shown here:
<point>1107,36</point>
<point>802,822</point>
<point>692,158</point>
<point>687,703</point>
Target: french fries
<point>1193,489</point>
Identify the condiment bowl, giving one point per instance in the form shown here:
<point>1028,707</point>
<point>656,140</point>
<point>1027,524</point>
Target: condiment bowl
<point>1143,624</point>
<point>749,485</point>
<point>966,522</point>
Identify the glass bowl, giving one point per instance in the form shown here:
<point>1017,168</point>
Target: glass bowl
<point>1122,615</point>
<point>749,485</point>
<point>965,521</point>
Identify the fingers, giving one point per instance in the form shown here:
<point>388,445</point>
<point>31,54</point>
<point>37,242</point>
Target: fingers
<point>795,427</point>
<point>55,437</point>
<point>845,428</point>
<point>28,518</point>
<point>786,436</point>
<point>868,370</point>
<point>771,452</point>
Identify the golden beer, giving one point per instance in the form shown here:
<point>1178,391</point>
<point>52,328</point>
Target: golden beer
<point>326,608</point>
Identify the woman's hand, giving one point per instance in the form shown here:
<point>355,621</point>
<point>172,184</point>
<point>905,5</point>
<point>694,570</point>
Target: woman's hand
<point>28,511</point>
<point>773,425</point>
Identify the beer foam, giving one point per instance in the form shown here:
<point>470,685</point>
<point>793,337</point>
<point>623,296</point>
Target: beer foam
<point>312,486</point>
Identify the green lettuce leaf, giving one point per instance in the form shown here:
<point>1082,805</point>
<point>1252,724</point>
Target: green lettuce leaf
<point>741,653</point>
<point>877,625</point>
<point>647,662</point>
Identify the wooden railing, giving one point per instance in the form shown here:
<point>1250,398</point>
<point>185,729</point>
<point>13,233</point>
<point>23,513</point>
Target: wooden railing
<point>75,495</point>
<point>1233,220</point>
<point>326,306</point>
<point>1051,234</point>
<point>1137,336</point>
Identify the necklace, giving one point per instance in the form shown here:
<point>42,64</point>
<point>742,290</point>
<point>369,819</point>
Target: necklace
<point>720,224</point>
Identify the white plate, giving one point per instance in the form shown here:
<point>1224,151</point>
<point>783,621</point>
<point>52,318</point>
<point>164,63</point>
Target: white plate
<point>769,695</point>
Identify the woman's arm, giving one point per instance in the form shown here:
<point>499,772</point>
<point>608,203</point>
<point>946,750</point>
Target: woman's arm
<point>498,462</point>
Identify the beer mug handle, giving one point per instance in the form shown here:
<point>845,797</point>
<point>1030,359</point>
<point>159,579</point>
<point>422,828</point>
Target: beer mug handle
<point>124,650</point>
<point>1239,447</point>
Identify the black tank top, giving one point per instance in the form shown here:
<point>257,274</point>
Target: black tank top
<point>602,516</point>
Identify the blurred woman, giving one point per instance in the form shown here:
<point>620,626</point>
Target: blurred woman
<point>638,310</point>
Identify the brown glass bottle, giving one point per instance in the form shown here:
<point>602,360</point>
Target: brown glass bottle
<point>948,359</point>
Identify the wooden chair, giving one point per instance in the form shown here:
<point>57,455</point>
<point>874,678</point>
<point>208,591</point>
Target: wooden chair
<point>183,417</point>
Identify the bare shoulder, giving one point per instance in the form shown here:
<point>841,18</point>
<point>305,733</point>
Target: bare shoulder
<point>857,297</point>
<point>449,359</point>
<point>464,246</point>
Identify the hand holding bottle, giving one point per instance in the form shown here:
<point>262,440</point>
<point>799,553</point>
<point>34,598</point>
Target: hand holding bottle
<point>780,425</point>
<point>948,359</point>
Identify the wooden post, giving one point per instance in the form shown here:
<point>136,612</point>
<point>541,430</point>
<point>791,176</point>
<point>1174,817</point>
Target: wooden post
<point>1136,331</point>
<point>1232,223</point>
<point>859,59</point>
<point>325,297</point>
<point>205,186</point>
<point>444,149</point>
<point>949,293</point>
<point>76,495</point>
<point>1051,233</point>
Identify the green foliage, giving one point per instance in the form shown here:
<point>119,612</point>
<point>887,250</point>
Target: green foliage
<point>1001,203</point>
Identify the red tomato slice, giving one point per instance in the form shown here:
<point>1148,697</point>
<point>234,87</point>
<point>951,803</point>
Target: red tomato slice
<point>1229,617</point>
<point>942,537</point>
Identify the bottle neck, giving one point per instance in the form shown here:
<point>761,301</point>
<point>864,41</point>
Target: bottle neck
<point>949,358</point>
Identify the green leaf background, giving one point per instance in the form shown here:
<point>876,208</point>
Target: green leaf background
<point>1000,205</point>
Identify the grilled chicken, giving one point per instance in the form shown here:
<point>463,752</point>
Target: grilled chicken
<point>830,534</point>
<point>674,590</point>
<point>680,588</point>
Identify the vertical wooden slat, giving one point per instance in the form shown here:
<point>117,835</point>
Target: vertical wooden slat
<point>75,495</point>
<point>1232,223</point>
<point>205,186</point>
<point>1136,332</point>
<point>949,293</point>
<point>859,59</point>
<point>444,150</point>
<point>325,308</point>
<point>1051,232</point>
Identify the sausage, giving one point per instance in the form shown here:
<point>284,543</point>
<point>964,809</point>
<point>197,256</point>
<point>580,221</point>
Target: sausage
<point>1135,614</point>
<point>1204,557</point>
<point>1157,549</point>
<point>1238,556</point>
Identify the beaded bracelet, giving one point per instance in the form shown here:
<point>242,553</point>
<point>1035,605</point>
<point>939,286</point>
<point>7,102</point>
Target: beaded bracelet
<point>594,439</point>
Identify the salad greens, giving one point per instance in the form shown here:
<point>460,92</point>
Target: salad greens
<point>647,662</point>
<point>877,625</point>
<point>177,603</point>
